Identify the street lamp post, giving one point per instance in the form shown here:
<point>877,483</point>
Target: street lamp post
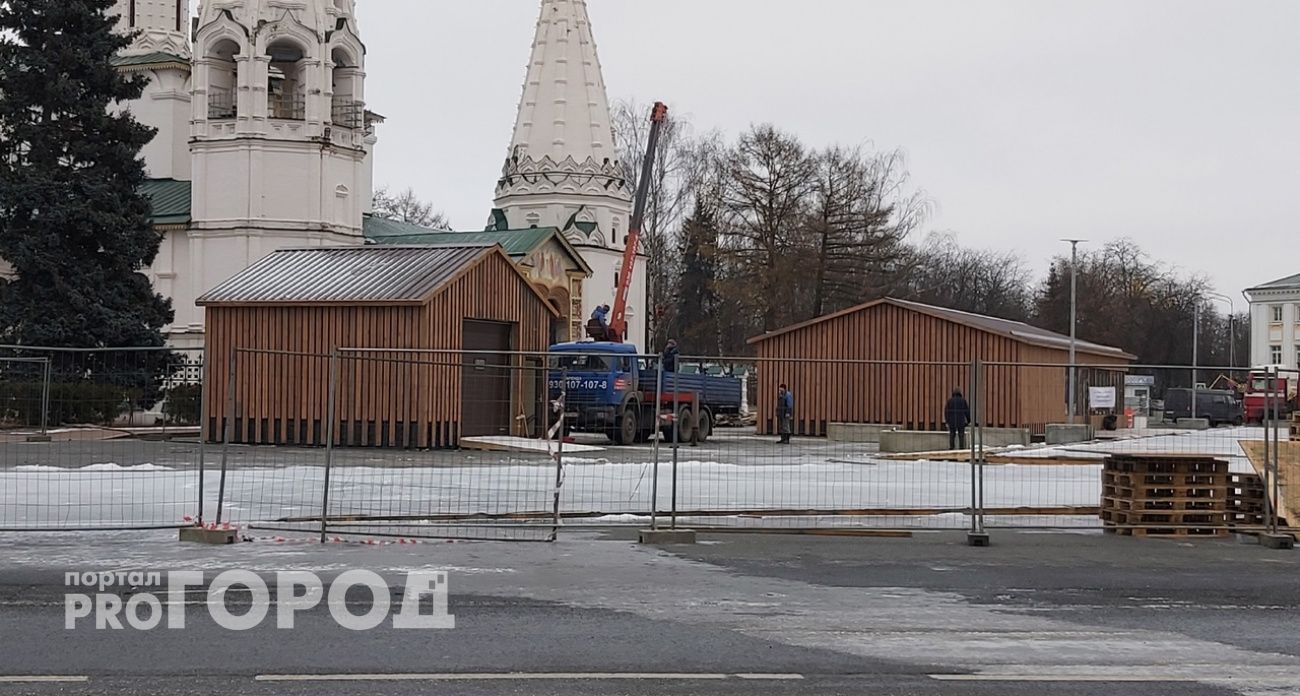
<point>1196,344</point>
<point>1232,326</point>
<point>1074,318</point>
<point>1196,337</point>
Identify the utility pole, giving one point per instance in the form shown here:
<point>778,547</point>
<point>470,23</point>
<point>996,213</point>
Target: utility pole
<point>1074,319</point>
<point>1232,326</point>
<point>1196,344</point>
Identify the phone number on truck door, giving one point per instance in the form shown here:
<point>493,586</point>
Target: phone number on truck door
<point>579,383</point>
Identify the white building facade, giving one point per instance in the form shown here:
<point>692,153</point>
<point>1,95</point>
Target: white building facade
<point>263,138</point>
<point>562,168</point>
<point>1275,323</point>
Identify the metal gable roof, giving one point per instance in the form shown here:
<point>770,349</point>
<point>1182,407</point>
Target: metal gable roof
<point>1015,330</point>
<point>518,244</point>
<point>1286,283</point>
<point>369,274</point>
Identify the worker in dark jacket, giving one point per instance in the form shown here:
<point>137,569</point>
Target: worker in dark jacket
<point>785,413</point>
<point>598,325</point>
<point>957,415</point>
<point>671,353</point>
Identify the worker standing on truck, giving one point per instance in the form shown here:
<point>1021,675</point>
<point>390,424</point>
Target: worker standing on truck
<point>957,415</point>
<point>785,413</point>
<point>598,326</point>
<point>670,356</point>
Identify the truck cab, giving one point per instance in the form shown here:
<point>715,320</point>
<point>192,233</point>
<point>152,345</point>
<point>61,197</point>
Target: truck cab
<point>1270,387</point>
<point>601,383</point>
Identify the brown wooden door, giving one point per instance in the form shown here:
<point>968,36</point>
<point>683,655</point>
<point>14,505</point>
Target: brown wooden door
<point>486,378</point>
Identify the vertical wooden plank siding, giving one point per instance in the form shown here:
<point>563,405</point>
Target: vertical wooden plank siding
<point>385,398</point>
<point>922,358</point>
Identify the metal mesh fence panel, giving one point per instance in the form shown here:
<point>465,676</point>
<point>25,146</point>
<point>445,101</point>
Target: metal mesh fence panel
<point>818,443</point>
<point>99,439</point>
<point>1150,450</point>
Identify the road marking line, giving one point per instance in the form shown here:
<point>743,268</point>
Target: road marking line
<point>1062,678</point>
<point>42,680</point>
<point>523,676</point>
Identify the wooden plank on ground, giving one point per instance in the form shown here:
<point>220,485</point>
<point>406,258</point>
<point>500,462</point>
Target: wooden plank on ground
<point>1288,464</point>
<point>520,444</point>
<point>962,456</point>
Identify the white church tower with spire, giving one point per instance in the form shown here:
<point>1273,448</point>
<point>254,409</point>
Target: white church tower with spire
<point>562,169</point>
<point>264,141</point>
<point>161,50</point>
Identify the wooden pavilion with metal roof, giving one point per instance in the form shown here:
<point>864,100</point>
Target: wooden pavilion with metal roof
<point>440,328</point>
<point>894,362</point>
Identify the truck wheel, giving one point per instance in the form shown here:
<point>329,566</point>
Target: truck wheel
<point>628,428</point>
<point>685,425</point>
<point>706,425</point>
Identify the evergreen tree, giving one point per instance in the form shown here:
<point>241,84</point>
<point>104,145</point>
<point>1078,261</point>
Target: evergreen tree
<point>73,225</point>
<point>697,316</point>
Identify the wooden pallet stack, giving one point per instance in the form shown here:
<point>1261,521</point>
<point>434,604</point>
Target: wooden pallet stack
<point>1247,505</point>
<point>1155,495</point>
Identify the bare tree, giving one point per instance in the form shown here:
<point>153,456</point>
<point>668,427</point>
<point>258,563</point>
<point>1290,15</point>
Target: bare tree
<point>853,231</point>
<point>407,207</point>
<point>769,179</point>
<point>989,282</point>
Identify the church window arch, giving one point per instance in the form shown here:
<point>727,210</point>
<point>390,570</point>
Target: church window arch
<point>223,78</point>
<point>286,88</point>
<point>346,108</point>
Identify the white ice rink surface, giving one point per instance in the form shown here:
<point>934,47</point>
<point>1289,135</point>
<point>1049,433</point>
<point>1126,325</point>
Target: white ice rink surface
<point>817,479</point>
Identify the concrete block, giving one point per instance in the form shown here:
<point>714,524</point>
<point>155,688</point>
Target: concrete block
<point>210,537</point>
<point>856,432</point>
<point>904,441</point>
<point>980,539</point>
<point>1193,423</point>
<point>1282,542</point>
<point>1065,434</point>
<point>39,438</point>
<point>1001,437</point>
<point>667,537</point>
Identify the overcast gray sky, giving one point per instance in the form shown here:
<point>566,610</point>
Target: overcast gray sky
<point>1173,122</point>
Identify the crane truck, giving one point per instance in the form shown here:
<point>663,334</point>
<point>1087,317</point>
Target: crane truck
<point>1260,398</point>
<point>608,386</point>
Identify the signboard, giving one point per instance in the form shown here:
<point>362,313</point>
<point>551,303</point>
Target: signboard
<point>1101,397</point>
<point>1140,381</point>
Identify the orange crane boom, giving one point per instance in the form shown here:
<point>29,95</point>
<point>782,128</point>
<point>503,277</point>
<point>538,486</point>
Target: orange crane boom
<point>618,324</point>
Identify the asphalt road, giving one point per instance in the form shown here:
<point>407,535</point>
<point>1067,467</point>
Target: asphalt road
<point>1034,614</point>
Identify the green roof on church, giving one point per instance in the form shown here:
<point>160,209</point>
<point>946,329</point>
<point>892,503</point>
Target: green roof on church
<point>148,59</point>
<point>517,243</point>
<point>170,200</point>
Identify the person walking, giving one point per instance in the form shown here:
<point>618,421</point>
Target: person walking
<point>957,415</point>
<point>785,413</point>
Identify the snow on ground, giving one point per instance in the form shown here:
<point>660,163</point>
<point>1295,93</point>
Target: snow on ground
<point>814,479</point>
<point>1222,443</point>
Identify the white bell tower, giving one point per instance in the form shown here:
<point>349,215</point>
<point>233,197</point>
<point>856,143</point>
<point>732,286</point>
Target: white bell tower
<point>279,135</point>
<point>164,26</point>
<point>161,51</point>
<point>562,168</point>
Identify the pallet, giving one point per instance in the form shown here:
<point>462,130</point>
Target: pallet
<point>1155,532</point>
<point>1157,495</point>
